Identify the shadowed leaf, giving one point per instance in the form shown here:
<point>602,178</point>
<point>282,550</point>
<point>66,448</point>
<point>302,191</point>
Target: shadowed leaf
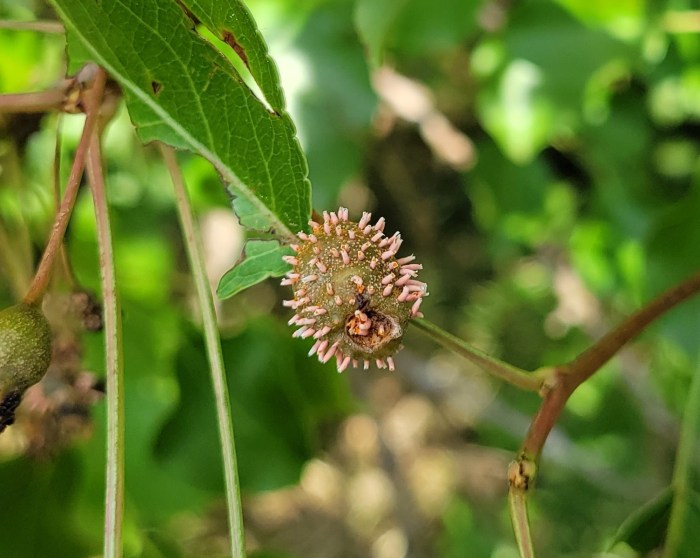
<point>263,259</point>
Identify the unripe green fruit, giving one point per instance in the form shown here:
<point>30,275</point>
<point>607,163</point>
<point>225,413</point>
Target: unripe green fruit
<point>25,348</point>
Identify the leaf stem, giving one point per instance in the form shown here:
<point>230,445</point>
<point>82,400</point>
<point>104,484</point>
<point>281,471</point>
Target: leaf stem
<point>43,273</point>
<point>195,254</point>
<point>531,381</point>
<point>65,266</point>
<point>114,492</point>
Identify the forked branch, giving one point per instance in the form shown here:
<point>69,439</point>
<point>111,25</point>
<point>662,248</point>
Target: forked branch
<point>563,381</point>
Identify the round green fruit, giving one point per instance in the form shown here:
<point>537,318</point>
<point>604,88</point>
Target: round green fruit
<point>25,347</point>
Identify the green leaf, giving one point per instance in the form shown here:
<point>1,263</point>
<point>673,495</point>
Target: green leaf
<point>40,516</point>
<point>645,528</point>
<point>232,23</point>
<point>263,259</point>
<point>374,20</point>
<point>538,94</point>
<point>180,90</point>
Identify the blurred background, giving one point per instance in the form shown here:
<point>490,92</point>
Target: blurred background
<point>540,158</point>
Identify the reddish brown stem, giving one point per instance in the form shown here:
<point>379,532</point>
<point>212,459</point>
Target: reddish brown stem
<point>567,377</point>
<point>43,273</point>
<point>562,382</point>
<point>591,360</point>
<point>45,26</point>
<point>41,101</point>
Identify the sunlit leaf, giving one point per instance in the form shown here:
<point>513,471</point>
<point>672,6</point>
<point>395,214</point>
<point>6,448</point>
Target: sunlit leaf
<point>232,23</point>
<point>180,90</point>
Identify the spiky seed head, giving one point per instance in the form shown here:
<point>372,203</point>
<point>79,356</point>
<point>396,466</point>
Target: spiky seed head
<point>351,294</point>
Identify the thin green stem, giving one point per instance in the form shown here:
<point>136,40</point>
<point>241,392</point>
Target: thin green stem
<point>114,492</point>
<point>678,524</point>
<point>195,253</point>
<point>517,503</point>
<point>502,370</point>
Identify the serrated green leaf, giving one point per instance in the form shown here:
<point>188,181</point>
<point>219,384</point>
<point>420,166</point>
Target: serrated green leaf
<point>180,90</point>
<point>232,23</point>
<point>263,259</point>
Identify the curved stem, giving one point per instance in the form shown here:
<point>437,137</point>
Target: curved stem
<point>567,377</point>
<point>64,263</point>
<point>680,521</point>
<point>563,381</point>
<point>591,360</point>
<point>195,253</point>
<point>43,273</point>
<point>531,381</point>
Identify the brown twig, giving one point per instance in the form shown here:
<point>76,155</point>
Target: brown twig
<point>94,88</point>
<point>41,26</point>
<point>563,381</point>
<point>40,101</point>
<point>567,377</point>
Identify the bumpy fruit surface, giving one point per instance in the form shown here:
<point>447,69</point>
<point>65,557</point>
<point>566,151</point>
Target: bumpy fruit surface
<point>25,347</point>
<point>351,293</point>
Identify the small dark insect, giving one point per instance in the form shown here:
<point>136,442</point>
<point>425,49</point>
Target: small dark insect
<point>362,301</point>
<point>7,409</point>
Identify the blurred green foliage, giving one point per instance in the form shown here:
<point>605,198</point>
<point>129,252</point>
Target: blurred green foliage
<point>579,205</point>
